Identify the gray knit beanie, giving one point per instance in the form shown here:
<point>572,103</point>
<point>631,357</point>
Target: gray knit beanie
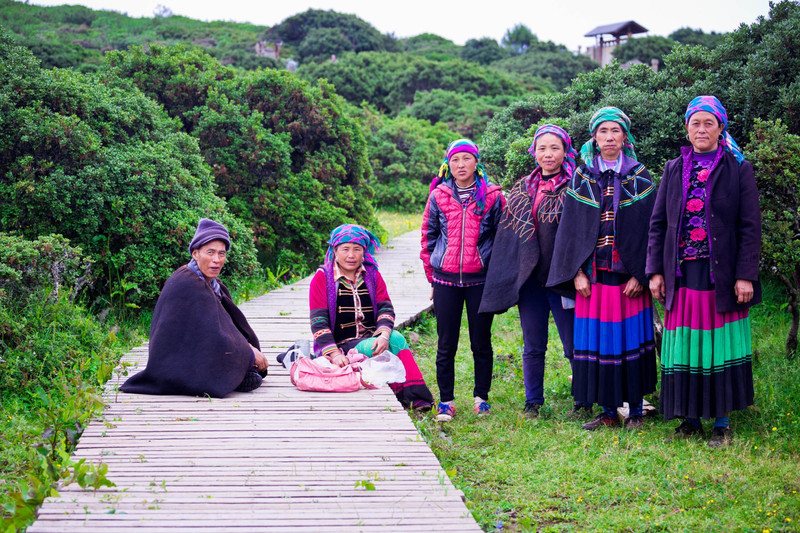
<point>207,231</point>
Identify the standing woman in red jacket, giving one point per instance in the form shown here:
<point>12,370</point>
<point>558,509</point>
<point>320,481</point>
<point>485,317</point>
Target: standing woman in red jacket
<point>458,228</point>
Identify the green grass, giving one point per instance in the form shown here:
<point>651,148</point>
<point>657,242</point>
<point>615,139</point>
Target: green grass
<point>550,475</point>
<point>397,224</point>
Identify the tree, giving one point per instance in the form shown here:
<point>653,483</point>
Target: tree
<point>694,37</point>
<point>104,166</point>
<point>518,39</point>
<point>362,36</point>
<point>284,153</point>
<point>644,49</point>
<point>547,61</point>
<point>391,81</point>
<point>324,42</point>
<point>483,51</point>
<point>775,154</point>
<point>431,47</point>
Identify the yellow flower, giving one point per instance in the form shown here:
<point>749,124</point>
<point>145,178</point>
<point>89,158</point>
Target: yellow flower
<point>774,429</point>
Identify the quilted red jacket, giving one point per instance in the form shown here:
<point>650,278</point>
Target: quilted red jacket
<point>457,239</point>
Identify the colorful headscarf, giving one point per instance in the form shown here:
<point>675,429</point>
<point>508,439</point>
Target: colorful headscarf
<point>355,234</point>
<point>481,179</point>
<point>589,150</point>
<point>712,105</point>
<point>570,155</point>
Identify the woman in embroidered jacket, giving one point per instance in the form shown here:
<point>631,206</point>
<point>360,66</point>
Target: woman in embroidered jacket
<point>523,250</point>
<point>458,227</point>
<point>601,245</point>
<point>351,308</point>
<point>705,240</point>
<point>200,342</point>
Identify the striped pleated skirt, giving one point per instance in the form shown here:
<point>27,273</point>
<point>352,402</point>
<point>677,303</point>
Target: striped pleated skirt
<point>706,356</point>
<point>614,358</point>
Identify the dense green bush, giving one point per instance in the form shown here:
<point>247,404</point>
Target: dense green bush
<point>693,37</point>
<point>47,261</point>
<point>77,37</point>
<point>390,81</point>
<point>41,330</point>
<point>430,46</point>
<point>775,154</point>
<point>545,60</point>
<point>465,113</point>
<point>483,51</point>
<point>285,155</point>
<point>405,154</point>
<point>317,32</point>
<point>644,49</point>
<point>106,168</point>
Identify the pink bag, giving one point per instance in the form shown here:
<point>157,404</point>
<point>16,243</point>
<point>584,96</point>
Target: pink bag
<point>309,376</point>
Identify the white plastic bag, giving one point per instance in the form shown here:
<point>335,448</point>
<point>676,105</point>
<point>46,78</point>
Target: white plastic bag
<point>382,368</point>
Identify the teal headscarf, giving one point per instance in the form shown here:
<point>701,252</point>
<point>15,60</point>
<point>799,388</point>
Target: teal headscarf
<point>589,150</point>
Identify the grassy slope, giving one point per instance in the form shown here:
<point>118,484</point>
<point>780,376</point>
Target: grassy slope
<point>551,475</point>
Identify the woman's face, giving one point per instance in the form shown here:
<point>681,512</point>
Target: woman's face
<point>549,152</point>
<point>704,130</point>
<point>349,257</point>
<point>210,257</point>
<point>609,136</point>
<point>462,167</point>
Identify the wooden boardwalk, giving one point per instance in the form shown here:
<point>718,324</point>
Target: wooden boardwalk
<point>274,459</point>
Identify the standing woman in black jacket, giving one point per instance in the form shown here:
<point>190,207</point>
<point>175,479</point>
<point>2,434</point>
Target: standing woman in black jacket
<point>521,258</point>
<point>702,259</point>
<point>601,246</point>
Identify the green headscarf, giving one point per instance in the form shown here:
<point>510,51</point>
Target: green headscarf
<point>589,150</point>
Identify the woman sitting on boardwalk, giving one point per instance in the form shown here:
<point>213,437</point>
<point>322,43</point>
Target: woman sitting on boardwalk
<point>601,245</point>
<point>200,342</point>
<point>705,239</point>
<point>523,250</point>
<point>351,308</point>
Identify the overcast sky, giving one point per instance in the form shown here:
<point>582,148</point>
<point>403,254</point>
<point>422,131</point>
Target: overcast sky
<point>562,21</point>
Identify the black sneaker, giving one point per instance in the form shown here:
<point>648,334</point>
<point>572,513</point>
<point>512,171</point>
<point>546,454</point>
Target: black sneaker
<point>720,437</point>
<point>581,412</point>
<point>685,430</point>
<point>531,410</point>
<point>600,421</point>
<point>252,380</point>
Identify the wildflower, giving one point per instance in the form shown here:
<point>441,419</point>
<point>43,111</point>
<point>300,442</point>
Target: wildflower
<point>774,429</point>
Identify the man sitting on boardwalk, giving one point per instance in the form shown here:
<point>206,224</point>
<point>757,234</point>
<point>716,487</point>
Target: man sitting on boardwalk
<point>200,342</point>
<point>350,308</point>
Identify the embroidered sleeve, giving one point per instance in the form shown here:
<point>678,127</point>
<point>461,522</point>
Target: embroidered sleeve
<point>320,320</point>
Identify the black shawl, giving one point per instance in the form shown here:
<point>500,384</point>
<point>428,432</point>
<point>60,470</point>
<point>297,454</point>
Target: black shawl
<point>199,345</point>
<point>521,250</point>
<point>580,224</point>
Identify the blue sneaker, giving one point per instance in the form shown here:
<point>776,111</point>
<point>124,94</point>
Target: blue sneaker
<point>446,411</point>
<point>481,407</point>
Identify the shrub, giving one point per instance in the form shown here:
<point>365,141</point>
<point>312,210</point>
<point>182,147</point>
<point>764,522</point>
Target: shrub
<point>775,154</point>
<point>285,155</point>
<point>106,168</point>
<point>405,154</point>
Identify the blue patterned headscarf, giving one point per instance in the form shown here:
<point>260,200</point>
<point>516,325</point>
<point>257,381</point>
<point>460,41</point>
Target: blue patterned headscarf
<point>481,179</point>
<point>355,234</point>
<point>614,114</point>
<point>712,105</point>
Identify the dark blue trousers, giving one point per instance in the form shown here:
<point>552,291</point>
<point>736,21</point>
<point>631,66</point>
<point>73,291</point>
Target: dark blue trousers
<point>536,303</point>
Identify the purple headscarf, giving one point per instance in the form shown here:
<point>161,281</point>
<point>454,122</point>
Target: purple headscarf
<point>567,166</point>
<point>355,234</point>
<point>464,145</point>
<point>712,105</point>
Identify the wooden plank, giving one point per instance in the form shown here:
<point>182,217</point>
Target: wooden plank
<point>274,459</point>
